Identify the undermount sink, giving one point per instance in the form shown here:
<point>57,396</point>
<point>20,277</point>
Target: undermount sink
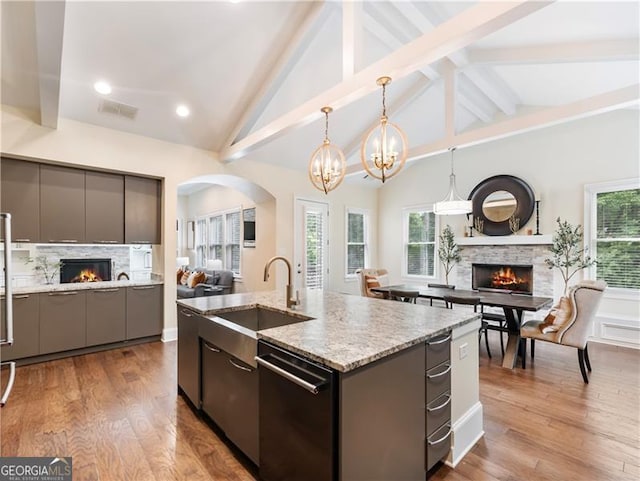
<point>235,331</point>
<point>259,318</point>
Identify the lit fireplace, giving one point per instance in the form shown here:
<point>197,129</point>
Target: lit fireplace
<point>501,277</point>
<point>85,270</point>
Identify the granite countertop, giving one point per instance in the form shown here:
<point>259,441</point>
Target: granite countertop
<point>346,331</point>
<point>77,286</point>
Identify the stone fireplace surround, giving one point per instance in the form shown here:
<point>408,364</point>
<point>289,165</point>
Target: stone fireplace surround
<point>507,250</point>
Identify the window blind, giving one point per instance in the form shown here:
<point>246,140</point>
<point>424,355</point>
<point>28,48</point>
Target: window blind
<point>420,248</point>
<point>314,268</point>
<point>232,244</point>
<point>356,246</point>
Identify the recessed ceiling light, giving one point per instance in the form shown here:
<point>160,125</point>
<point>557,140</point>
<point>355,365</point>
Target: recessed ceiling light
<point>183,111</point>
<point>102,87</point>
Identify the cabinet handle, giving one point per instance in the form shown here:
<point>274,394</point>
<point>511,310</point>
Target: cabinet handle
<point>107,290</point>
<point>12,378</point>
<point>64,240</point>
<point>186,313</point>
<point>441,341</point>
<point>211,348</point>
<point>446,371</point>
<point>105,241</point>
<point>142,288</point>
<point>140,242</point>
<point>21,240</point>
<point>437,408</point>
<point>438,441</point>
<point>62,293</point>
<point>23,296</point>
<point>239,366</point>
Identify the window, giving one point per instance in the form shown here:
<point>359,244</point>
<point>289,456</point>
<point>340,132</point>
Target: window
<point>420,242</point>
<point>612,232</point>
<point>218,237</point>
<point>357,240</point>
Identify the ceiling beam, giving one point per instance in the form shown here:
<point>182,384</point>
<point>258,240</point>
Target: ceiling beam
<point>546,117</point>
<point>49,19</point>
<point>351,37</point>
<point>287,51</point>
<point>595,51</point>
<point>471,25</point>
<point>449,100</point>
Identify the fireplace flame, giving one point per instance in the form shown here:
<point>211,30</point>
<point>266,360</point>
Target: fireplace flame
<point>87,275</point>
<point>506,277</point>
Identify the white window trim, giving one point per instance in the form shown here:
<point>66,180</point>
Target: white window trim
<point>366,213</point>
<point>590,213</point>
<point>222,213</point>
<point>405,241</point>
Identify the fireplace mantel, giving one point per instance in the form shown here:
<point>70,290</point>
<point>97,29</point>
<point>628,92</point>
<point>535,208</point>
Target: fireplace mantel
<point>505,240</point>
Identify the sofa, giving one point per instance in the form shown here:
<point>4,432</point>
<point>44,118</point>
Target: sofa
<point>222,278</point>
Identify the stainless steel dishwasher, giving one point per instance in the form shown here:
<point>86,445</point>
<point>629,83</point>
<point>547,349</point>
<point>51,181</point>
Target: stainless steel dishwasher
<point>298,417</point>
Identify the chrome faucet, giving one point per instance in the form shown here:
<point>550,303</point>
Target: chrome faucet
<point>291,301</point>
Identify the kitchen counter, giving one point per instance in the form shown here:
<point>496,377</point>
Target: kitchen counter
<point>347,331</point>
<point>76,286</point>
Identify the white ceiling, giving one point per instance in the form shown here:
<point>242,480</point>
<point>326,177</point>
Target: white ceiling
<point>254,74</point>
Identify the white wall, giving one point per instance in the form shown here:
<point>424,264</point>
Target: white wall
<point>556,161</point>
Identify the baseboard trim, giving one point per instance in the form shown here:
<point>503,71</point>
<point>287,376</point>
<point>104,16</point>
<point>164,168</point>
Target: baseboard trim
<point>467,431</point>
<point>170,334</point>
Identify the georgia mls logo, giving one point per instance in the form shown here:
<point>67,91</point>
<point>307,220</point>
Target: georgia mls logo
<point>35,469</point>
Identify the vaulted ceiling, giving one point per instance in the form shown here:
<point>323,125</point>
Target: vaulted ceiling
<point>255,74</point>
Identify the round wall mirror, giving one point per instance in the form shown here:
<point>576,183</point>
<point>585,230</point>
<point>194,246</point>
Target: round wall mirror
<point>499,206</point>
<point>498,198</point>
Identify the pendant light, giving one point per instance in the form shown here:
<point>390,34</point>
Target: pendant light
<point>327,165</point>
<point>384,149</point>
<point>453,204</point>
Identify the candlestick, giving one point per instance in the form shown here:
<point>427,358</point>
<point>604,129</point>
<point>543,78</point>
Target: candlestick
<point>537,217</point>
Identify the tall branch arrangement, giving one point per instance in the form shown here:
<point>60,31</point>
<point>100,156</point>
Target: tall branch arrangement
<point>448,252</point>
<point>569,257</point>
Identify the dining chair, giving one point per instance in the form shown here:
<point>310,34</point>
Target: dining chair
<point>442,286</point>
<point>474,301</point>
<point>570,323</point>
<point>404,295</point>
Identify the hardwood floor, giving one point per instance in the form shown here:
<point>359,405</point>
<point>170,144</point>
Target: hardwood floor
<point>117,413</point>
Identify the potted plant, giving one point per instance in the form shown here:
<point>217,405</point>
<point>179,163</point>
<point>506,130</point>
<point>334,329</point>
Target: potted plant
<point>569,257</point>
<point>46,267</point>
<point>448,252</point>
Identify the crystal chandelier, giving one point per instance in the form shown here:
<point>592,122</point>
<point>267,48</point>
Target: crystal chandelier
<point>327,165</point>
<point>384,149</point>
<point>453,204</point>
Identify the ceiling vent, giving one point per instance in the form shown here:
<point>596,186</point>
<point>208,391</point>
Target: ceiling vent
<point>117,108</point>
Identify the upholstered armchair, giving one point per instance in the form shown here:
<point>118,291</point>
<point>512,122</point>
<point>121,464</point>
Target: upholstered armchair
<point>569,323</point>
<point>368,278</point>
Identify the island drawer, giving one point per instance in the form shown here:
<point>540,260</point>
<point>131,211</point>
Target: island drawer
<point>438,350</point>
<point>438,445</point>
<point>438,413</point>
<point>438,381</point>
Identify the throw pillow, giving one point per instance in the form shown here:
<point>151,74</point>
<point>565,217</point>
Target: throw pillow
<point>559,314</point>
<point>196,278</point>
<point>179,277</point>
<point>371,282</point>
<point>184,278</point>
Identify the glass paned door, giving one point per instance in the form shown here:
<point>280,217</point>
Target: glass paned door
<point>311,244</point>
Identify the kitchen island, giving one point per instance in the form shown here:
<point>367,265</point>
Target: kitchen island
<point>394,366</point>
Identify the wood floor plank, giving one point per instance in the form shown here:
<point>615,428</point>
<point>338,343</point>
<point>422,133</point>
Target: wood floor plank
<point>117,413</point>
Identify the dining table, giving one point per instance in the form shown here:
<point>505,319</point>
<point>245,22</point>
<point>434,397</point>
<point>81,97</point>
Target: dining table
<point>513,304</point>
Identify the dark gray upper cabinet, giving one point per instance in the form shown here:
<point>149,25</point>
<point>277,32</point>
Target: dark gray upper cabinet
<point>63,321</point>
<point>62,204</point>
<point>144,311</point>
<point>106,316</point>
<point>26,330</point>
<point>141,210</point>
<point>104,215</point>
<point>21,198</point>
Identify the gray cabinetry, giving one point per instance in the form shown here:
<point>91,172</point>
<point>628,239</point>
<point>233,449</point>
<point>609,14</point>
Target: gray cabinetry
<point>106,316</point>
<point>230,397</point>
<point>144,311</point>
<point>382,418</point>
<point>21,198</point>
<point>62,204</point>
<point>438,399</point>
<point>26,330</point>
<point>104,213</point>
<point>62,321</point>
<point>189,355</point>
<point>142,210</point>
